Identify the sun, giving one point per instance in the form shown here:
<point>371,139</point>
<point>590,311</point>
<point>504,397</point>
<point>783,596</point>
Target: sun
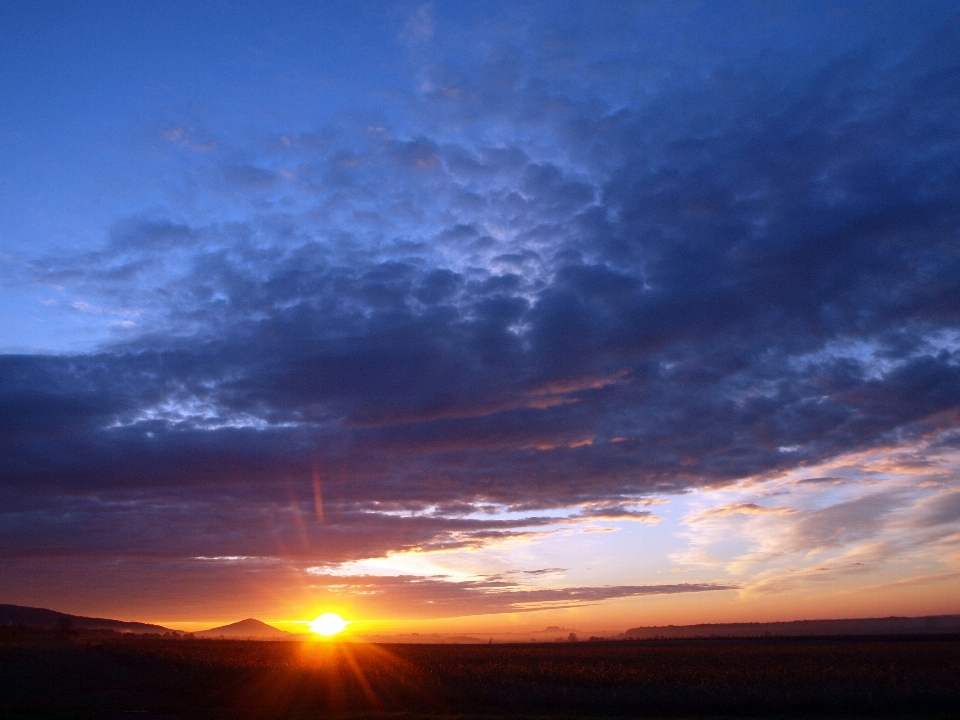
<point>328,624</point>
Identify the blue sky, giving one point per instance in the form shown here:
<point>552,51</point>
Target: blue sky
<point>480,314</point>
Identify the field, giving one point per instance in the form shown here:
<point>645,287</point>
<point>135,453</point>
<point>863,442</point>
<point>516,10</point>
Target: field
<point>42,675</point>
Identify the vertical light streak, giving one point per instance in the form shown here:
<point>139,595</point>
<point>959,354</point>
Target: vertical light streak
<point>317,493</point>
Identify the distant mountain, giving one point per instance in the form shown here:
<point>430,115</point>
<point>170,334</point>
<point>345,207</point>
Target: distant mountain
<point>796,628</point>
<point>246,629</point>
<point>43,618</point>
<point>423,639</point>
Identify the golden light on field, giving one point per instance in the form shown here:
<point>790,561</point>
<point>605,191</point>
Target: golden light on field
<point>328,624</point>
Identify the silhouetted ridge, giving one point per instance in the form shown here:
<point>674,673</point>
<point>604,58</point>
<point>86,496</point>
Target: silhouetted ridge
<point>44,618</point>
<point>796,628</point>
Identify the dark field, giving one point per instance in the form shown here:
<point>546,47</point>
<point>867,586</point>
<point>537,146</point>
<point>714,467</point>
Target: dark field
<point>42,675</point>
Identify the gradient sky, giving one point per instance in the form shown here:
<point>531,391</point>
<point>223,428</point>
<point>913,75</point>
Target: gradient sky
<point>479,316</point>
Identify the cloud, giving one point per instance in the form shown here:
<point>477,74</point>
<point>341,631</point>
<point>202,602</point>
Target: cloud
<point>618,512</point>
<point>873,520</point>
<point>235,584</point>
<point>449,598</point>
<point>419,26</point>
<point>941,509</point>
<point>521,294</point>
<point>185,137</point>
<point>819,481</point>
<point>544,571</point>
<point>844,522</point>
<point>253,522</point>
<point>740,509</point>
<point>809,578</point>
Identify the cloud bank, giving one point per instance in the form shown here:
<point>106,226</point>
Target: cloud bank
<point>528,294</point>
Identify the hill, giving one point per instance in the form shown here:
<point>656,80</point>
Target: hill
<point>44,618</point>
<point>246,629</point>
<point>796,628</point>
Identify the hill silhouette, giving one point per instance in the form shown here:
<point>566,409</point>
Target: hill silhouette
<point>249,628</point>
<point>44,618</point>
<point>797,628</point>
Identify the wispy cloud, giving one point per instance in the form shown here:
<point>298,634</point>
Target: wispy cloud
<point>494,595</point>
<point>740,509</point>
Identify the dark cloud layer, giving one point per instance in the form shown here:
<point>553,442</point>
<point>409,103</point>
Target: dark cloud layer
<point>232,584</point>
<point>443,597</point>
<point>738,275</point>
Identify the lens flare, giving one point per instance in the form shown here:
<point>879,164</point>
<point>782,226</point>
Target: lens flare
<point>328,624</point>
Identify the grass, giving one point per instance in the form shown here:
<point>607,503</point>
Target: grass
<point>42,675</point>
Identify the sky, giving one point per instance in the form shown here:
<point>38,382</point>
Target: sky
<point>480,316</point>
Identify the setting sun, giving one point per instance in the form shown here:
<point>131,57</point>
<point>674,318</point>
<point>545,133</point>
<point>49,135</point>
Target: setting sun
<point>328,624</point>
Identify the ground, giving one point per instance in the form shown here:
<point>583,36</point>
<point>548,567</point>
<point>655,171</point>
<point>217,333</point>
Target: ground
<point>59,675</point>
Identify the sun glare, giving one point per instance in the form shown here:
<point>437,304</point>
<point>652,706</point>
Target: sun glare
<point>328,624</point>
